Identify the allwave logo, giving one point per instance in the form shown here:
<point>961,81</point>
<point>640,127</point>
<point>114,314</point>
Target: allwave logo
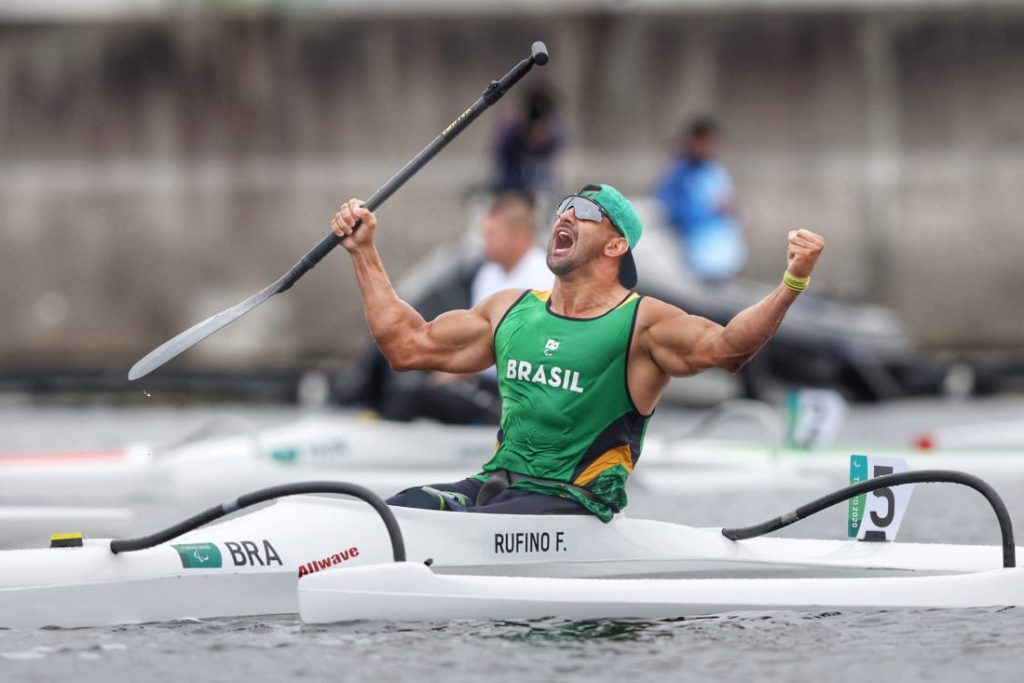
<point>329,561</point>
<point>550,347</point>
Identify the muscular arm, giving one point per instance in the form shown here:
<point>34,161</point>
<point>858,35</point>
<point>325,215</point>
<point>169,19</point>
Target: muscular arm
<point>457,341</point>
<point>682,344</point>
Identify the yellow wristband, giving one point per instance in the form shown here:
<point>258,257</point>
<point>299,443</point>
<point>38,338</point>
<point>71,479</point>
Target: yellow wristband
<point>797,284</point>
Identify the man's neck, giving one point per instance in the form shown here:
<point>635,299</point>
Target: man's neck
<point>585,297</point>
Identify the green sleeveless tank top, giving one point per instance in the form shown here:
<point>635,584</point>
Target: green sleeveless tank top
<point>566,410</point>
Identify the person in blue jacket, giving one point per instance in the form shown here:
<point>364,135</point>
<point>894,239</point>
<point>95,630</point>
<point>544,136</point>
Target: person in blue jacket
<point>699,202</point>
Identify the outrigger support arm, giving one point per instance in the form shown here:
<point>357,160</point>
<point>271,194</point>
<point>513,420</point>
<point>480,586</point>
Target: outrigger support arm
<point>885,481</point>
<point>261,496</point>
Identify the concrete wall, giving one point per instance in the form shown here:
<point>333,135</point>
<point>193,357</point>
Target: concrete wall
<point>152,174</point>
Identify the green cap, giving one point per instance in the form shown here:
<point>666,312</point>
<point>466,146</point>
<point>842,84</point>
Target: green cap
<point>625,219</point>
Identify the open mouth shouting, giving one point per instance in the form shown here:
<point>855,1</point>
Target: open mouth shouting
<point>563,240</point>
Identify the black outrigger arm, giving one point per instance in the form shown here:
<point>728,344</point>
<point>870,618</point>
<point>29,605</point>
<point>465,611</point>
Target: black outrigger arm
<point>262,496</point>
<point>885,481</point>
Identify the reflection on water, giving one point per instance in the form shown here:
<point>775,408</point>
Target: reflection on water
<point>559,631</point>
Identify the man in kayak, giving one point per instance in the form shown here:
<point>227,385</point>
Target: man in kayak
<point>580,367</point>
<point>512,260</point>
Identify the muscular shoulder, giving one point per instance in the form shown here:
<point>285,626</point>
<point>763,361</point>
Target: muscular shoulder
<point>653,311</point>
<point>496,305</point>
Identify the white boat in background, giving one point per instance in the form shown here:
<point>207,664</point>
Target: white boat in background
<point>206,467</point>
<point>822,466</point>
<point>81,476</point>
<point>297,554</point>
<point>1003,436</point>
<point>25,526</point>
<point>737,465</point>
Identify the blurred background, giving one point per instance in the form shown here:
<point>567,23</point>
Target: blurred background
<point>163,160</point>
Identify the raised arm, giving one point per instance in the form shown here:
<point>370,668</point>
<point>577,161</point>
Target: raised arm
<point>457,341</point>
<point>682,344</point>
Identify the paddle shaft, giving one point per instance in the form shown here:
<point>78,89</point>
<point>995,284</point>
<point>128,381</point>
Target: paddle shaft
<point>494,92</point>
<point>195,334</point>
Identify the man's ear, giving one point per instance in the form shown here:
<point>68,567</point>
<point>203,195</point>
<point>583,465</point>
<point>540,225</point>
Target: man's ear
<point>616,247</point>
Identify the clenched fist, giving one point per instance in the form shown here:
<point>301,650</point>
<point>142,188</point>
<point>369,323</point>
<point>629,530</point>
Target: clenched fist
<point>350,216</point>
<point>804,249</point>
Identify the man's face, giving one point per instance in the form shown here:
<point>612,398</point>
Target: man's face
<point>575,243</point>
<point>497,236</point>
<point>703,146</point>
<point>507,235</point>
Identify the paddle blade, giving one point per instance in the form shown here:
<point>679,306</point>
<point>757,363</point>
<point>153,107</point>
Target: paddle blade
<point>197,333</point>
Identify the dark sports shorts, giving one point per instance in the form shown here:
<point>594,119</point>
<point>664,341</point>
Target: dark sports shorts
<point>461,496</point>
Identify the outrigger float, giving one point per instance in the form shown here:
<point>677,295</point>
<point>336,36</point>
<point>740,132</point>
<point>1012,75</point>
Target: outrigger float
<point>328,560</point>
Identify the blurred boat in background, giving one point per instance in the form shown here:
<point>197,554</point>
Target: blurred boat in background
<point>222,458</point>
<point>30,525</point>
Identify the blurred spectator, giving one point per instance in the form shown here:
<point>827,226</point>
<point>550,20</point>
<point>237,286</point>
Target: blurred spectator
<point>512,261</point>
<point>528,144</point>
<point>698,197</point>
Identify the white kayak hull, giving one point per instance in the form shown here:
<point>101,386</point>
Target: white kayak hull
<point>411,592</point>
<point>252,564</point>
